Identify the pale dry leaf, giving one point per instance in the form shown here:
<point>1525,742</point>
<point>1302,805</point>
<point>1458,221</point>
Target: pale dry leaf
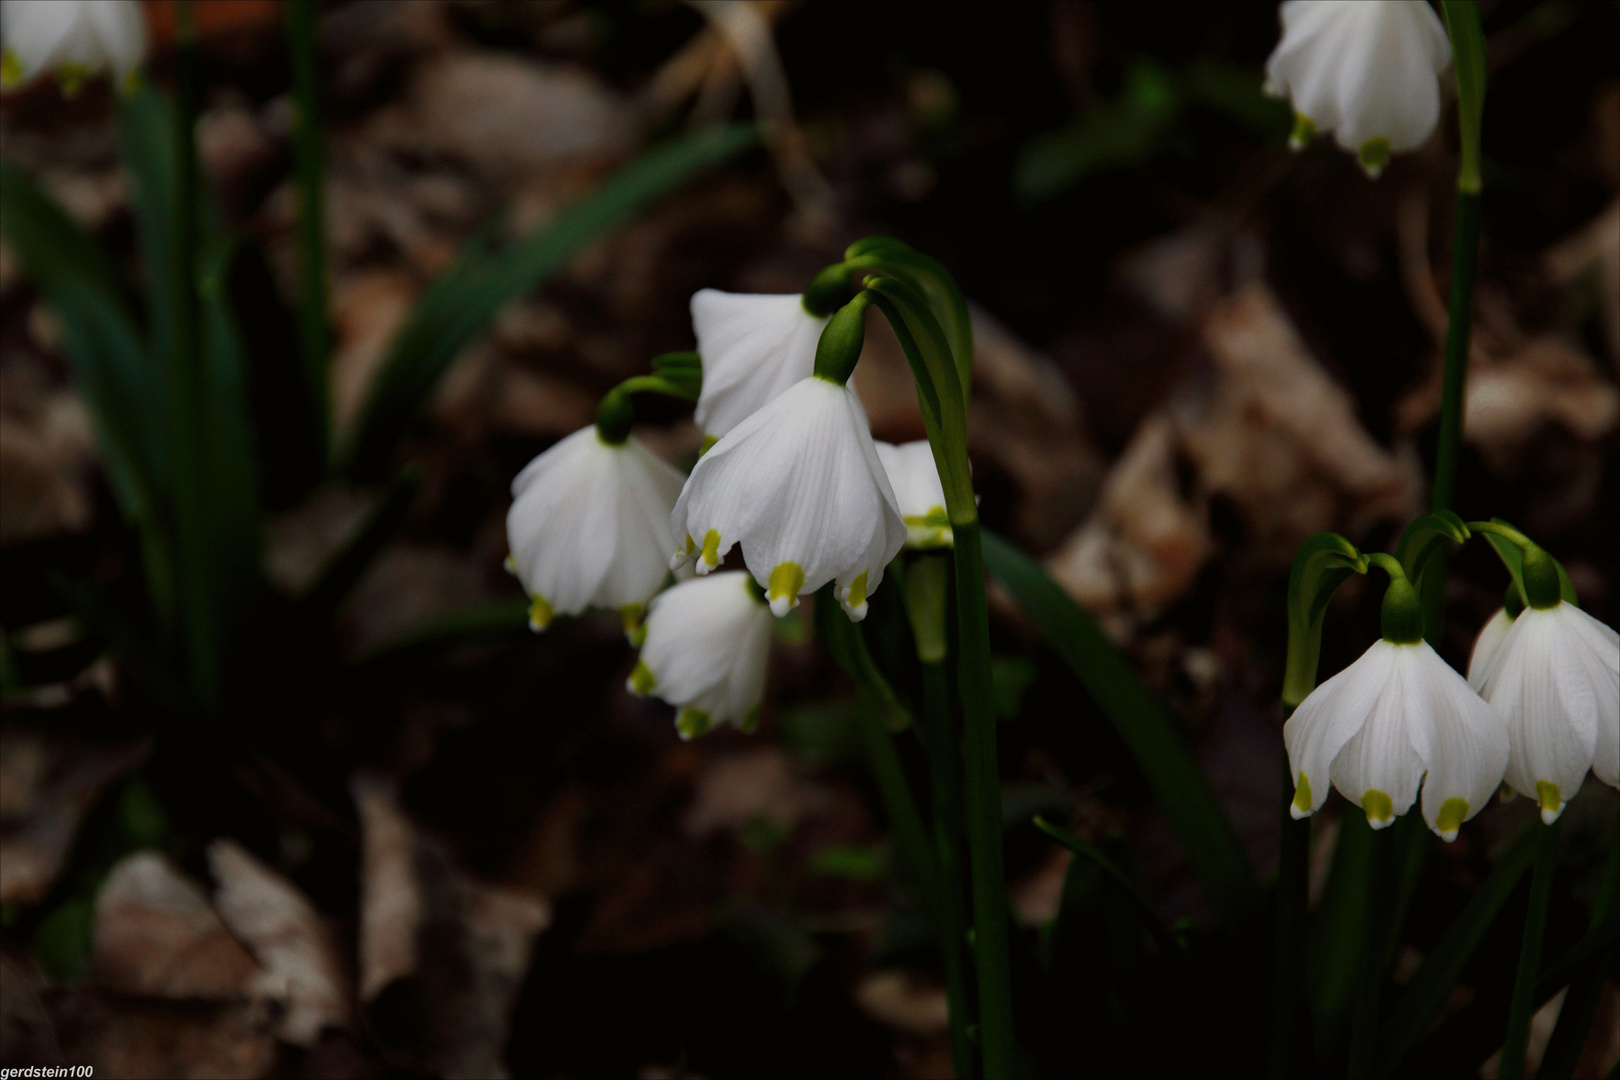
<point>368,309</point>
<point>302,969</point>
<point>390,896</point>
<point>905,1002</point>
<point>757,783</point>
<point>156,935</point>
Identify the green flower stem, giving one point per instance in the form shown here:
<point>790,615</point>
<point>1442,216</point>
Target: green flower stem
<point>927,593</point>
<point>1289,1017</point>
<point>673,376</point>
<point>308,170</point>
<point>1370,968</point>
<point>900,806</point>
<point>1523,1002</point>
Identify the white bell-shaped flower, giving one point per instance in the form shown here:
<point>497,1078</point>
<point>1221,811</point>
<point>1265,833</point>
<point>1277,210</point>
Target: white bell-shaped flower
<point>1555,679</point>
<point>1365,70</point>
<point>918,492</point>
<point>799,485</point>
<point>76,39</point>
<point>707,644</point>
<point>1376,727</point>
<point>753,348</point>
<point>1486,646</point>
<point>589,526</point>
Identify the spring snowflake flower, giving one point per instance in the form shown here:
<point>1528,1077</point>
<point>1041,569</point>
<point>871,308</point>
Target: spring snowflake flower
<point>1378,725</point>
<point>1486,646</point>
<point>1365,70</point>
<point>705,652</point>
<point>74,38</point>
<point>800,486</point>
<point>589,526</point>
<point>753,348</point>
<point>1555,678</point>
<point>918,492</point>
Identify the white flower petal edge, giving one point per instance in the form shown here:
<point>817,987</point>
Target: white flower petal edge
<point>753,348</point>
<point>1556,681</point>
<point>1486,647</point>
<point>799,485</point>
<point>707,645</point>
<point>589,525</point>
<point>1366,70</point>
<point>1379,725</point>
<point>917,490</point>
<point>76,38</point>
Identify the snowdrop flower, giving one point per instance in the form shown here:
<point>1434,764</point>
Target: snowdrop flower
<point>589,525</point>
<point>753,348</point>
<point>74,38</point>
<point>918,492</point>
<point>1398,712</point>
<point>707,644</point>
<point>1366,70</point>
<point>799,484</point>
<point>1555,678</point>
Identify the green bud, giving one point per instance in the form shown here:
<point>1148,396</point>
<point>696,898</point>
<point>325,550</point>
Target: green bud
<point>615,416</point>
<point>1541,585</point>
<point>841,341</point>
<point>1402,611</point>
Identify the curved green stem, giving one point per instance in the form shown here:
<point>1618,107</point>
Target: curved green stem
<point>1523,1004</point>
<point>312,272</point>
<point>1290,1020</point>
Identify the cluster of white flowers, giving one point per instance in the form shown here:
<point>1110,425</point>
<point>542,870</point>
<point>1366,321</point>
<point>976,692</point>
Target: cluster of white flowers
<point>1364,70</point>
<point>1540,707</point>
<point>75,39</point>
<point>790,472</point>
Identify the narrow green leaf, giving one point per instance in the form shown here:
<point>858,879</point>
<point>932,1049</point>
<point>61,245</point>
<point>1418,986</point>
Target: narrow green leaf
<point>844,641</point>
<point>457,305</point>
<point>1151,919</point>
<point>1430,988</point>
<point>1586,987</point>
<point>1338,934</point>
<point>1183,794</point>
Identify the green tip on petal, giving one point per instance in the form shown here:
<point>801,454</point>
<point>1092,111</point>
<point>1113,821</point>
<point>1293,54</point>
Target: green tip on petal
<point>1505,793</point>
<point>540,613</point>
<point>11,69</point>
<point>1301,806</point>
<point>1380,808</point>
<point>72,78</point>
<point>641,680</point>
<point>693,722</point>
<point>783,591</point>
<point>855,596</point>
<point>1453,812</point>
<point>1304,131</point>
<point>750,722</point>
<point>708,444</point>
<point>709,557</point>
<point>511,567</point>
<point>1550,799</point>
<point>630,618</point>
<point>1374,155</point>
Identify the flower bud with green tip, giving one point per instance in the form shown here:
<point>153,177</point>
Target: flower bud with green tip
<point>1397,713</point>
<point>1365,70</point>
<point>706,648</point>
<point>800,486</point>
<point>914,476</point>
<point>76,39</point>
<point>1555,678</point>
<point>753,348</point>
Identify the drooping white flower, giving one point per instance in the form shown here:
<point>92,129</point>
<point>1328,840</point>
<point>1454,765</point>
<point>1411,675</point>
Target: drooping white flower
<point>589,526</point>
<point>1556,681</point>
<point>753,348</point>
<point>1376,727</point>
<point>74,38</point>
<point>1486,646</point>
<point>918,492</point>
<point>1365,70</point>
<point>705,653</point>
<point>799,485</point>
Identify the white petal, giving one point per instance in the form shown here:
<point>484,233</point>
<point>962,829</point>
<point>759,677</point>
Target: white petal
<point>753,348</point>
<point>33,33</point>
<point>120,32</point>
<point>1486,647</point>
<point>797,484</point>
<point>589,523</point>
<point>1598,648</point>
<point>1468,744</point>
<point>1387,755</point>
<point>1544,692</point>
<point>1330,716</point>
<point>914,476</point>
<point>707,646</point>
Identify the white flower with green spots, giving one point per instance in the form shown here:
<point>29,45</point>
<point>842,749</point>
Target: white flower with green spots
<point>708,641</point>
<point>589,527</point>
<point>1365,70</point>
<point>921,497</point>
<point>799,485</point>
<point>1376,727</point>
<point>753,348</point>
<point>76,39</point>
<point>1555,678</point>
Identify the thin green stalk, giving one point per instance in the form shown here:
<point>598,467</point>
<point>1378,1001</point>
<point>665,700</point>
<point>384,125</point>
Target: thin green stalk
<point>901,807</point>
<point>1289,1017</point>
<point>1371,968</point>
<point>308,169</point>
<point>1523,1002</point>
<point>1580,1004</point>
